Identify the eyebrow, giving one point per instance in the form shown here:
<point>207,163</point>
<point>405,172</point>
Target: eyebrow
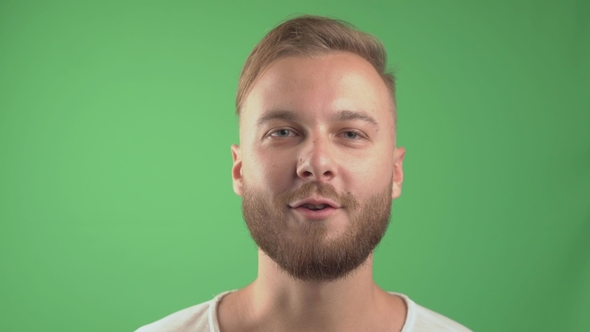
<point>277,115</point>
<point>354,115</point>
<point>345,115</point>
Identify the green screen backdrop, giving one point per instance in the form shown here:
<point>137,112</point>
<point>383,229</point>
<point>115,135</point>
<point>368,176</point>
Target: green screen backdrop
<point>116,120</point>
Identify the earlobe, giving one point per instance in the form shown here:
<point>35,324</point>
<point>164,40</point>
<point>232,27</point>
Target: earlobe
<point>398,172</point>
<point>236,170</point>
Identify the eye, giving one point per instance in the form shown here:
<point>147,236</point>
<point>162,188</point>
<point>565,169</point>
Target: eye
<point>352,135</point>
<point>283,132</point>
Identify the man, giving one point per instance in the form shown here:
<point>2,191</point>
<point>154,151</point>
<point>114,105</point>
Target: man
<point>317,169</point>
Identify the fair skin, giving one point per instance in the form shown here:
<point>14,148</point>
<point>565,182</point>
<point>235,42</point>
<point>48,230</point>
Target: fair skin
<point>327,119</point>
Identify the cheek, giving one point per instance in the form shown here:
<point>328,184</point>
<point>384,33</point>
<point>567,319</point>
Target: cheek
<point>370,174</point>
<point>266,170</point>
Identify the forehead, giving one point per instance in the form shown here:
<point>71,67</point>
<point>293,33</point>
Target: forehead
<point>318,86</point>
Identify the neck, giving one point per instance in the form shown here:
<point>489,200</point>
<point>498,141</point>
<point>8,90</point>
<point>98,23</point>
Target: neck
<point>274,286</point>
<point>276,301</point>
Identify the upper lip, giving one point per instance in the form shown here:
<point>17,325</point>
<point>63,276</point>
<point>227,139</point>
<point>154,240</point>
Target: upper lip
<point>315,201</point>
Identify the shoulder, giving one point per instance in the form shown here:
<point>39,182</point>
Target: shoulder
<point>428,320</point>
<point>190,319</point>
<point>421,319</point>
<point>198,318</point>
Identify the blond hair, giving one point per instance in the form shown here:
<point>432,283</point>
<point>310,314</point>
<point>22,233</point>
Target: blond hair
<point>307,36</point>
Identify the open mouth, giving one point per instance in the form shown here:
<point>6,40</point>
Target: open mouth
<point>315,211</point>
<point>315,207</point>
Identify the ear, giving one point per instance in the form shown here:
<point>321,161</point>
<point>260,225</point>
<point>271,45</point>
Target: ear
<point>236,170</point>
<point>398,172</point>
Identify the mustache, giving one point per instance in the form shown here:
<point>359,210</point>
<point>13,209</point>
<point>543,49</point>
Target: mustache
<point>322,189</point>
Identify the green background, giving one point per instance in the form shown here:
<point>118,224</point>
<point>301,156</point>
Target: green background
<point>116,119</point>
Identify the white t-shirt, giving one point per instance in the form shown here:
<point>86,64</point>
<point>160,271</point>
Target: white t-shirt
<point>203,318</point>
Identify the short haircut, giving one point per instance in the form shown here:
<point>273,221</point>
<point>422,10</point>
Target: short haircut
<point>308,36</point>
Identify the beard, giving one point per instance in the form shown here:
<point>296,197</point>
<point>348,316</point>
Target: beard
<point>306,252</point>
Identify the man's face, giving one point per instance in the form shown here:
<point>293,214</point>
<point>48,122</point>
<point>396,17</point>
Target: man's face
<point>317,167</point>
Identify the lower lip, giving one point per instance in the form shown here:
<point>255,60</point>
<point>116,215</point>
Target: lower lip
<point>315,214</point>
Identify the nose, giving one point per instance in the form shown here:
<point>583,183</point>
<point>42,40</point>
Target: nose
<point>315,161</point>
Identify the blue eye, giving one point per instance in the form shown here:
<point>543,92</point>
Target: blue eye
<point>282,133</point>
<point>351,135</point>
